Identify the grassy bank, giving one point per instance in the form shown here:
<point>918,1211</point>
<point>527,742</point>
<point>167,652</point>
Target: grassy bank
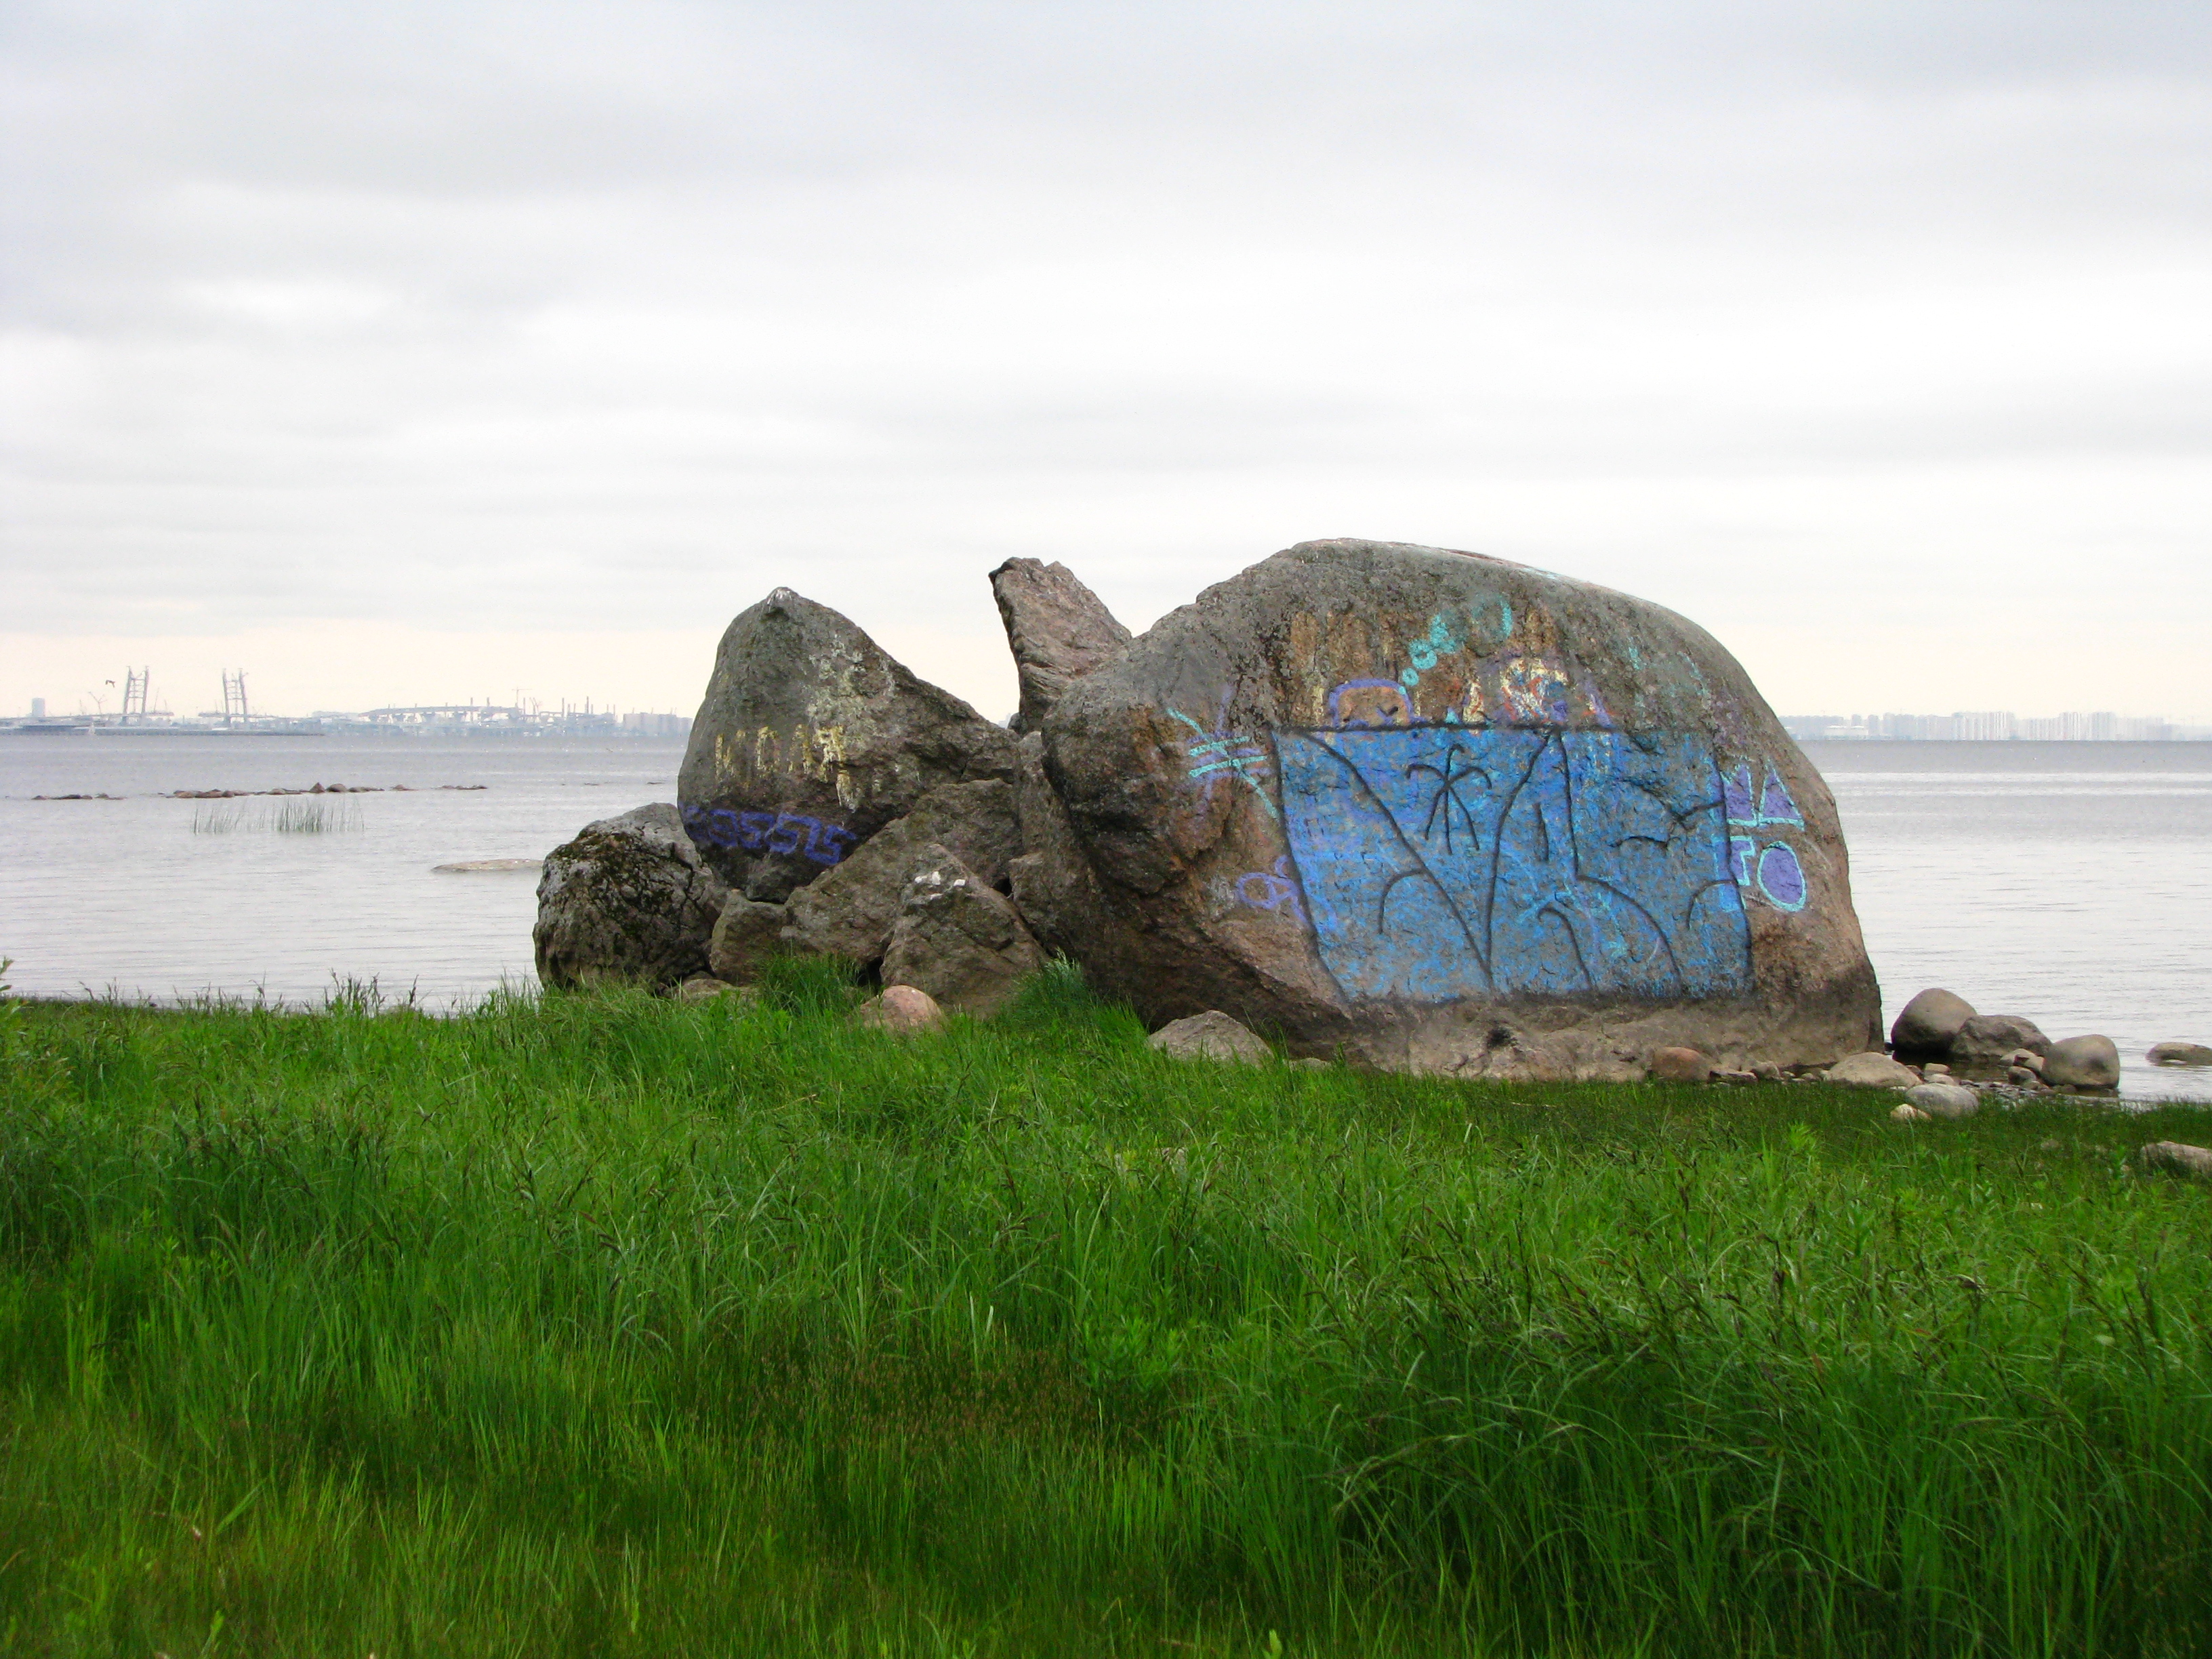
<point>609,1325</point>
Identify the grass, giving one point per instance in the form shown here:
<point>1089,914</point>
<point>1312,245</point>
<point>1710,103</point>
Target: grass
<point>293,817</point>
<point>606,1325</point>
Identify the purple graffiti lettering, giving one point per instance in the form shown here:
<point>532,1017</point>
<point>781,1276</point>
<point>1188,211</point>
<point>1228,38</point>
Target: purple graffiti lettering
<point>1742,850</point>
<point>1781,877</point>
<point>791,832</point>
<point>1271,890</point>
<point>830,843</point>
<point>1775,805</point>
<point>1735,789</point>
<point>768,832</point>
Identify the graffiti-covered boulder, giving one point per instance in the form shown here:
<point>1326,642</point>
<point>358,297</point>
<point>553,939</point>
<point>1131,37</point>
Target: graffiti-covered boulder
<point>628,900</point>
<point>809,739</point>
<point>1448,813</point>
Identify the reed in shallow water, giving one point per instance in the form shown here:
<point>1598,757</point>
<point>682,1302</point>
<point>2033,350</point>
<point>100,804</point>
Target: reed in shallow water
<point>292,817</point>
<point>606,1324</point>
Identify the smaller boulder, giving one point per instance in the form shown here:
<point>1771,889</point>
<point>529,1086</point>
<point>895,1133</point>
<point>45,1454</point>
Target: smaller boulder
<point>1210,1036</point>
<point>852,910</point>
<point>902,1010</point>
<point>1679,1065</point>
<point>707,988</point>
<point>2025,1057</point>
<point>2179,1054</point>
<point>2082,1062</point>
<point>957,940</point>
<point>1926,1025</point>
<point>1724,1075</point>
<point>1986,1041</point>
<point>1872,1070</point>
<point>1906,1112</point>
<point>1944,1099</point>
<point>1767,1072</point>
<point>2024,1077</point>
<point>2177,1157</point>
<point>746,934</point>
<point>627,899</point>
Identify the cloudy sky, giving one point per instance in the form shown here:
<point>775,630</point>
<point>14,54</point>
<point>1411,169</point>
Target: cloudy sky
<point>404,352</point>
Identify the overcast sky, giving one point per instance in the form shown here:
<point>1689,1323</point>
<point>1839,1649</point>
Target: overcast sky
<point>403,352</point>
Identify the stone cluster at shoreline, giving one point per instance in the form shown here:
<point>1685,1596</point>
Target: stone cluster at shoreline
<point>1411,808</point>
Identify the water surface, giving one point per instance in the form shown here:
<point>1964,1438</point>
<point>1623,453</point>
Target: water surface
<point>2068,881</point>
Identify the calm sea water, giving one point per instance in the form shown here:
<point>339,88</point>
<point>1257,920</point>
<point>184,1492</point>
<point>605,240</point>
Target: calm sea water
<point>2071,883</point>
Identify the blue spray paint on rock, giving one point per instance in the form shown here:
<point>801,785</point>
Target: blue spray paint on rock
<point>1445,862</point>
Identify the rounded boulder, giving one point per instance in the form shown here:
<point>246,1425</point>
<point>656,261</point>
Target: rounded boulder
<point>1925,1026</point>
<point>2082,1062</point>
<point>1446,813</point>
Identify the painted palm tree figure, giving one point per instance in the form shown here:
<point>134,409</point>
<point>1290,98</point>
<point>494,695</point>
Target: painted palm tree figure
<point>1444,804</point>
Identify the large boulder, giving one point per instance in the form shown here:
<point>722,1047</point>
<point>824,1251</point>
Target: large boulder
<point>1926,1025</point>
<point>811,739</point>
<point>629,899</point>
<point>957,940</point>
<point>1446,813</point>
<point>1059,631</point>
<point>852,910</point>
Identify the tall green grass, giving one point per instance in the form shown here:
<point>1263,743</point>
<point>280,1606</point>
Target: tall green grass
<point>609,1325</point>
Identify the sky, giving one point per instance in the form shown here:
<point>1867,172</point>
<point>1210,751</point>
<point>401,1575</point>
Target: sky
<point>422,352</point>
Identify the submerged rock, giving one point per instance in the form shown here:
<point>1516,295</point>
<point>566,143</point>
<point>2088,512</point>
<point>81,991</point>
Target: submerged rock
<point>1451,814</point>
<point>629,899</point>
<point>2179,1054</point>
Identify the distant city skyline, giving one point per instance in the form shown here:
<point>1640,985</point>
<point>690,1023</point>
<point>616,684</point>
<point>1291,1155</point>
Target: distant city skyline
<point>1998,725</point>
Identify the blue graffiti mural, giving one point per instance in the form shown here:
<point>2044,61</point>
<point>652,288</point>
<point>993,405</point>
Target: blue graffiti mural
<point>789,832</point>
<point>1441,862</point>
